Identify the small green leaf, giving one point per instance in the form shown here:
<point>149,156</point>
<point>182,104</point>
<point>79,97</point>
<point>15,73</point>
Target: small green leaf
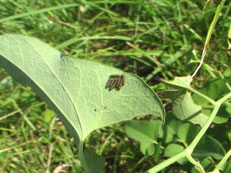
<point>229,135</point>
<point>173,149</point>
<point>187,132</point>
<point>228,109</point>
<point>222,115</point>
<point>171,126</point>
<point>227,73</point>
<point>227,168</point>
<point>144,131</point>
<point>185,109</point>
<point>95,162</point>
<point>182,82</point>
<point>173,92</point>
<point>6,82</point>
<point>214,88</point>
<point>147,148</point>
<point>48,115</point>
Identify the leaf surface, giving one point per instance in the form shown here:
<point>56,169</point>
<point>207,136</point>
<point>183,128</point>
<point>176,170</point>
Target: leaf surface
<point>75,88</point>
<point>185,109</point>
<point>208,146</point>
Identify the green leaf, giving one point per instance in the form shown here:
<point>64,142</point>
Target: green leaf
<point>229,135</point>
<point>187,132</point>
<point>147,148</point>
<point>144,131</point>
<point>95,162</point>
<point>173,92</point>
<point>48,115</point>
<point>6,82</point>
<point>222,115</point>
<point>228,109</point>
<point>171,126</point>
<point>185,109</point>
<point>173,149</point>
<point>215,89</point>
<point>75,88</point>
<point>207,147</point>
<point>227,72</point>
<point>227,168</point>
<point>182,82</point>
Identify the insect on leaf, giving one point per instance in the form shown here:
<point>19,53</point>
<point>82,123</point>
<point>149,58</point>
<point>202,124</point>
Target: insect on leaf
<point>115,81</point>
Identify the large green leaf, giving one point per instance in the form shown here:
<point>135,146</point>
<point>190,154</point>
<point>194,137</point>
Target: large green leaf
<point>75,88</point>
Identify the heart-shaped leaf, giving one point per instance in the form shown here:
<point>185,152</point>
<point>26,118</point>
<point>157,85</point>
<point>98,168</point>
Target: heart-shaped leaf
<point>146,133</point>
<point>182,82</point>
<point>75,88</point>
<point>208,146</point>
<point>185,109</point>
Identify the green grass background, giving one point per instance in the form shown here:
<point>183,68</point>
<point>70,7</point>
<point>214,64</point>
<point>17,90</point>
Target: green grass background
<point>153,39</point>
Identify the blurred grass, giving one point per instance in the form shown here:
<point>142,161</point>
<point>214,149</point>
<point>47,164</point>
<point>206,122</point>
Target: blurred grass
<point>154,39</point>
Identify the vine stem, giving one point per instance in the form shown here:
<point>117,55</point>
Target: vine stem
<point>82,157</point>
<point>168,162</point>
<point>228,154</point>
<point>209,34</point>
<point>188,151</point>
<point>205,127</point>
<point>201,62</point>
<point>209,122</point>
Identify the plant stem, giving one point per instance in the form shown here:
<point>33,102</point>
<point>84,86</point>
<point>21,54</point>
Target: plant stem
<point>82,157</point>
<point>209,34</point>
<point>198,166</point>
<point>188,151</point>
<point>221,163</point>
<point>206,126</point>
<point>168,162</point>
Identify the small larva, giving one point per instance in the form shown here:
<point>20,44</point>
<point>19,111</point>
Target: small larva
<point>123,79</point>
<point>115,81</point>
<point>114,76</point>
<point>113,84</point>
<point>120,83</point>
<point>108,83</point>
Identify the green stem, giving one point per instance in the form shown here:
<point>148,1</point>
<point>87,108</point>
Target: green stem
<point>198,166</point>
<point>222,161</point>
<point>205,128</point>
<point>82,157</point>
<point>223,99</point>
<point>168,162</point>
<point>187,152</point>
